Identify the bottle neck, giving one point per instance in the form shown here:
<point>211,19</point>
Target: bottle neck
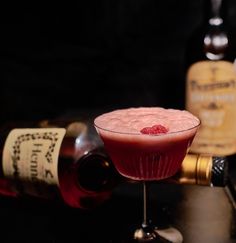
<point>215,39</point>
<point>216,18</point>
<point>216,8</point>
<point>96,172</point>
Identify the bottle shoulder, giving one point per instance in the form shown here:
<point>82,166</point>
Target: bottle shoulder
<point>208,43</point>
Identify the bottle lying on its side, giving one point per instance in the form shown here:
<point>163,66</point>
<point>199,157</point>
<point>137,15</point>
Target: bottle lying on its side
<point>67,160</point>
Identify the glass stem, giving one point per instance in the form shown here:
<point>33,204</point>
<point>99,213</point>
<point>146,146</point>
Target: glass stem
<point>145,203</point>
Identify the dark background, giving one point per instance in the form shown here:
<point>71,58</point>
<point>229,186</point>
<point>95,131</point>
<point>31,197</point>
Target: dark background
<point>102,55</point>
<point>95,54</point>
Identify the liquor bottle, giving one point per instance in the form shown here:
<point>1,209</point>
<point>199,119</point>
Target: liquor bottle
<point>67,160</point>
<point>211,82</point>
<point>196,169</point>
<point>51,161</point>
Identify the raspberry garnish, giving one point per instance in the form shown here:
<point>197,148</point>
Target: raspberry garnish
<point>156,129</point>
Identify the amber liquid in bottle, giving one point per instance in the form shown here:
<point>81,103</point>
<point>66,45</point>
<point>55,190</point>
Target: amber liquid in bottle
<point>84,172</point>
<point>211,83</point>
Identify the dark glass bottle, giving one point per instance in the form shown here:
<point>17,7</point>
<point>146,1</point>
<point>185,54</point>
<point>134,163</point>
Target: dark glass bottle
<point>211,82</point>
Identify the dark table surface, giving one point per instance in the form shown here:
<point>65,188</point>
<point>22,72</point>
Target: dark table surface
<point>202,214</point>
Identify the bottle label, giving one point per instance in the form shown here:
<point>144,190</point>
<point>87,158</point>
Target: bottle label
<point>31,155</point>
<point>211,95</point>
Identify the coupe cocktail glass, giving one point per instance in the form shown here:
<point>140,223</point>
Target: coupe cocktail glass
<point>147,144</point>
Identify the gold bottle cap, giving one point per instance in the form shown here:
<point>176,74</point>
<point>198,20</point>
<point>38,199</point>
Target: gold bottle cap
<point>196,169</point>
<point>204,170</point>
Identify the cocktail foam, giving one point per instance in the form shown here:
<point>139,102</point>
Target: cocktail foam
<point>133,120</point>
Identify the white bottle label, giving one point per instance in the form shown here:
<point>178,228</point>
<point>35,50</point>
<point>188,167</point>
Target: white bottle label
<point>211,95</point>
<point>31,155</point>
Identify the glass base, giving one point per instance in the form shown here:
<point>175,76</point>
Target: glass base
<point>171,234</point>
<point>148,234</point>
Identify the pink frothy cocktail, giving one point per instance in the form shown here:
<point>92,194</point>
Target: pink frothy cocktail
<point>142,155</point>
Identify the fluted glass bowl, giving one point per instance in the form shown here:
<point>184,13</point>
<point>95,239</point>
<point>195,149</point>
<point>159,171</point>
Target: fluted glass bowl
<point>147,156</point>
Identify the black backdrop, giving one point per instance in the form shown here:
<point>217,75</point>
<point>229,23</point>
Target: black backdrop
<point>94,54</point>
<point>101,55</point>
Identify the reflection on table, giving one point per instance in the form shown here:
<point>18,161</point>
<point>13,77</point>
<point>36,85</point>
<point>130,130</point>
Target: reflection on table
<point>201,214</point>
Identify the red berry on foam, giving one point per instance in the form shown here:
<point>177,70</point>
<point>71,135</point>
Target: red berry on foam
<point>156,129</point>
